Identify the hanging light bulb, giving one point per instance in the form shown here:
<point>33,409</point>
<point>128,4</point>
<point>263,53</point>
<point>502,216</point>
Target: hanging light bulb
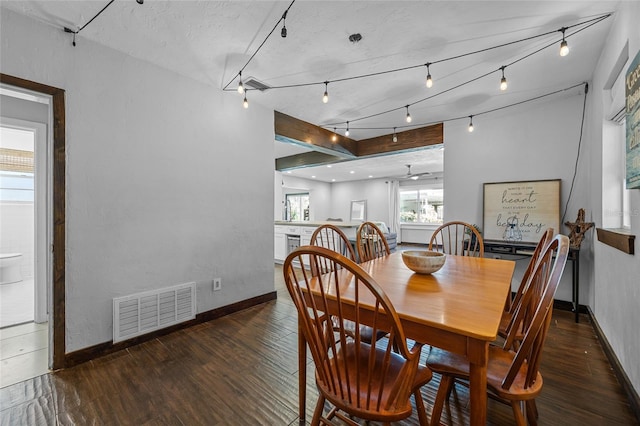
<point>503,80</point>
<point>564,47</point>
<point>395,137</point>
<point>245,102</point>
<point>347,132</point>
<point>335,136</point>
<point>325,97</point>
<point>470,123</point>
<point>429,80</point>
<point>240,85</point>
<point>283,32</point>
<point>408,115</point>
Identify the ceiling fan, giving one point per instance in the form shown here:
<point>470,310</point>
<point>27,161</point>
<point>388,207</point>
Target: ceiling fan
<point>413,176</point>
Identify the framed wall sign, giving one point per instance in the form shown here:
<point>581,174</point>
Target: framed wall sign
<point>358,211</point>
<point>520,212</point>
<point>632,102</point>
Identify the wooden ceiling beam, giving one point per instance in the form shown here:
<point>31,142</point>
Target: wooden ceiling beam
<point>409,139</point>
<point>306,159</point>
<point>325,150</point>
<point>301,132</point>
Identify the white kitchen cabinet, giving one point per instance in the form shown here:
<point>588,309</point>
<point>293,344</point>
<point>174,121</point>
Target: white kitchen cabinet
<point>305,234</point>
<point>280,243</point>
<point>286,231</point>
<point>279,247</point>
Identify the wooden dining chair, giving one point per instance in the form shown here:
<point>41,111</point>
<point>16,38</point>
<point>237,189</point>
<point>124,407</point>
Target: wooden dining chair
<point>370,382</point>
<point>513,377</point>
<point>457,238</point>
<point>512,304</point>
<point>371,242</point>
<point>333,238</point>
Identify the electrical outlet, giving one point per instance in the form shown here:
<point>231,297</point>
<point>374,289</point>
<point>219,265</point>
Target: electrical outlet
<point>217,284</point>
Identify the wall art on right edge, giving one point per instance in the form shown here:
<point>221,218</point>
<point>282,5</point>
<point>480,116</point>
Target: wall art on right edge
<point>632,102</point>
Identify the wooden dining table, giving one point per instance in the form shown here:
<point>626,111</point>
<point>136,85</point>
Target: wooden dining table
<point>457,308</point>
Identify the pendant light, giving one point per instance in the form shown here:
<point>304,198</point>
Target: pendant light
<point>325,97</point>
<point>346,133</point>
<point>470,123</point>
<point>503,80</point>
<point>334,137</point>
<point>408,115</point>
<point>245,102</point>
<point>564,47</point>
<point>429,82</point>
<point>240,85</point>
<point>283,32</point>
<point>395,137</point>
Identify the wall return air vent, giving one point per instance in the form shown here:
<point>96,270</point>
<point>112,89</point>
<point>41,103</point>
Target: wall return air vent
<point>142,313</point>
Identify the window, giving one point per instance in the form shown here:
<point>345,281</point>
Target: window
<point>615,196</point>
<point>421,205</point>
<point>297,206</point>
<point>16,164</point>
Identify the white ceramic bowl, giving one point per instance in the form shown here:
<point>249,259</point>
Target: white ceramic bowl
<point>423,261</point>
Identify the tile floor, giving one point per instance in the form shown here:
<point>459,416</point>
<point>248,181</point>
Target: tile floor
<point>23,352</point>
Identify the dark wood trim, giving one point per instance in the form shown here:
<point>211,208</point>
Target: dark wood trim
<point>59,214</point>
<point>410,139</point>
<point>617,238</point>
<point>627,386</point>
<point>106,348</point>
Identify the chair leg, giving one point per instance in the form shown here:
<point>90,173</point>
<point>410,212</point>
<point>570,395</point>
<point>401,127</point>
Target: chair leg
<point>532,412</point>
<point>517,413</point>
<point>317,413</point>
<point>443,393</point>
<point>422,413</point>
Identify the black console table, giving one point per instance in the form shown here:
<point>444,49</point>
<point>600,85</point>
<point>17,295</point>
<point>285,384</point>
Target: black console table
<point>527,250</point>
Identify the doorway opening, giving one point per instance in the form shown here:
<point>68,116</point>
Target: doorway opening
<point>49,238</point>
<point>24,225</point>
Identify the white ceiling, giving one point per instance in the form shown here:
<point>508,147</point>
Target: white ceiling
<point>211,41</point>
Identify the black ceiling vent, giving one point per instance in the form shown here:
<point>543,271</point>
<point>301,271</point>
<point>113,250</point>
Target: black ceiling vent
<point>354,38</point>
<point>256,84</point>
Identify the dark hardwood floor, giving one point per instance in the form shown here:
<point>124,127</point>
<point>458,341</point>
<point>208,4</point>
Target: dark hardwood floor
<point>242,370</point>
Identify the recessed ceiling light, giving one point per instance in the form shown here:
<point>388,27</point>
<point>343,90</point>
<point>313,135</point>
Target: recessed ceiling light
<point>370,176</point>
<point>352,172</point>
<point>289,171</point>
<point>333,180</point>
<point>329,165</point>
<point>313,177</point>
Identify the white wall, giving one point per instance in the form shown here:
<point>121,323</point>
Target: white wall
<point>375,191</point>
<point>160,186</point>
<point>530,142</point>
<point>616,298</point>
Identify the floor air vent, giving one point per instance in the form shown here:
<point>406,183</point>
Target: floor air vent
<point>143,313</point>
